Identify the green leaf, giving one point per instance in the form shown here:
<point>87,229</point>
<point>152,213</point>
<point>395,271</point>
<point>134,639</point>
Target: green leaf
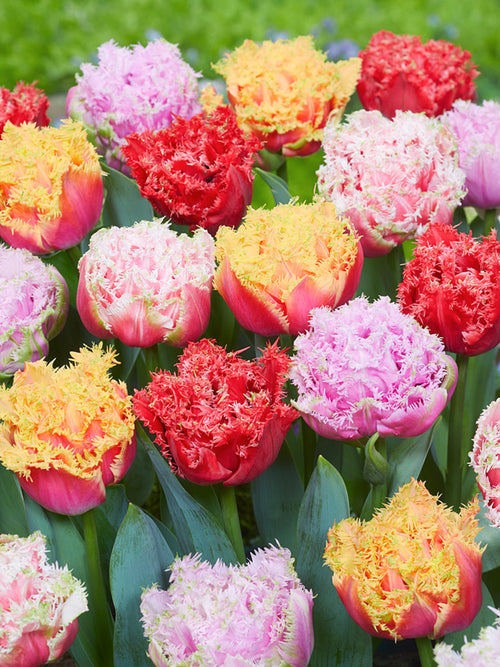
<point>13,520</point>
<point>123,204</point>
<point>108,518</point>
<point>139,559</point>
<point>278,186</point>
<point>406,458</point>
<point>140,477</point>
<point>490,536</point>
<point>338,640</point>
<point>276,497</point>
<point>197,530</point>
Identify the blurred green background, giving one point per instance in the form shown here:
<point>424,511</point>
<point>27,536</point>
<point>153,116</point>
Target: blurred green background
<point>47,40</point>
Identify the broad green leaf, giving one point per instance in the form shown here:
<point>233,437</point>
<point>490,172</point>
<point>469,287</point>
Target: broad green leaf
<point>406,458</point>
<point>13,520</point>
<point>488,535</point>
<point>108,518</point>
<point>140,477</point>
<point>139,559</point>
<point>123,203</point>
<point>196,528</point>
<point>338,640</point>
<point>278,186</point>
<point>276,497</point>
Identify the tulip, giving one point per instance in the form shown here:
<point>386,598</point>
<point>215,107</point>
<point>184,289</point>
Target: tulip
<point>400,72</point>
<point>198,172</point>
<point>146,284</point>
<point>24,104</point>
<point>391,178</point>
<point>477,128</point>
<point>254,614</point>
<point>67,432</point>
<point>51,189</point>
<point>485,459</point>
<point>39,603</point>
<point>132,89</point>
<point>284,92</point>
<point>366,368</point>
<point>480,652</point>
<point>281,263</point>
<point>221,418</point>
<point>452,287</point>
<point>33,308</point>
<point>413,570</point>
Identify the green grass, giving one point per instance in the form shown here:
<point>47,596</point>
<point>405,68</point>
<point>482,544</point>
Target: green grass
<point>46,40</point>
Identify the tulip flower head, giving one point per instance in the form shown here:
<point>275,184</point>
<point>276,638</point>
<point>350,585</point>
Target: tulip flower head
<point>146,284</point>
<point>24,104</point>
<point>39,603</point>
<point>254,614</point>
<point>67,432</point>
<point>366,368</point>
<point>33,308</point>
<point>485,459</point>
<point>132,89</point>
<point>401,72</point>
<point>477,128</point>
<point>413,570</point>
<point>285,91</point>
<point>281,263</point>
<point>391,178</point>
<point>452,287</point>
<point>51,189</point>
<point>480,652</point>
<point>221,418</point>
<point>198,172</point>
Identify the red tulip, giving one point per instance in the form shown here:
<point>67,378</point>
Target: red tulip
<point>24,104</point>
<point>198,172</point>
<point>221,418</point>
<point>452,286</point>
<point>400,72</point>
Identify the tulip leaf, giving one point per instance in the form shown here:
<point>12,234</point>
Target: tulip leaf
<point>108,518</point>
<point>13,520</point>
<point>140,477</point>
<point>123,204</point>
<point>338,640</point>
<point>276,498</point>
<point>278,186</point>
<point>489,535</point>
<point>406,458</point>
<point>196,528</point>
<point>139,559</point>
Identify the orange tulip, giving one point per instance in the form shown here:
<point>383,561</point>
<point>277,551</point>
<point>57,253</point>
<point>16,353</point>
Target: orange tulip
<point>414,570</point>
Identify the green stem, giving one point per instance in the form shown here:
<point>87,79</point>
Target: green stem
<point>227,499</point>
<point>74,254</point>
<point>309,445</point>
<point>98,603</point>
<point>425,652</point>
<point>490,216</point>
<point>396,262</point>
<point>455,435</point>
<point>375,472</point>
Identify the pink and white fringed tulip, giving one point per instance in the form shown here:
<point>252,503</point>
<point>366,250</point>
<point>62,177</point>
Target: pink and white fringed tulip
<point>146,284</point>
<point>253,614</point>
<point>366,368</point>
<point>485,459</point>
<point>391,178</point>
<point>132,89</point>
<point>39,603</point>
<point>33,308</point>
<point>480,652</point>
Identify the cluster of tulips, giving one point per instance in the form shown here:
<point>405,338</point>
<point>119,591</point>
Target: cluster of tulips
<point>173,357</point>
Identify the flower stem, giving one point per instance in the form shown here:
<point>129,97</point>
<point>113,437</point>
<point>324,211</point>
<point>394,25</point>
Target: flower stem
<point>103,622</point>
<point>227,499</point>
<point>425,652</point>
<point>490,216</point>
<point>455,435</point>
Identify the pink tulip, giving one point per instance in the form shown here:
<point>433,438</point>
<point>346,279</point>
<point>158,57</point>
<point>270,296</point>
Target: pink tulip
<point>39,603</point>
<point>146,284</point>
<point>33,308</point>
<point>253,614</point>
<point>391,178</point>
<point>485,459</point>
<point>366,368</point>
<point>477,128</point>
